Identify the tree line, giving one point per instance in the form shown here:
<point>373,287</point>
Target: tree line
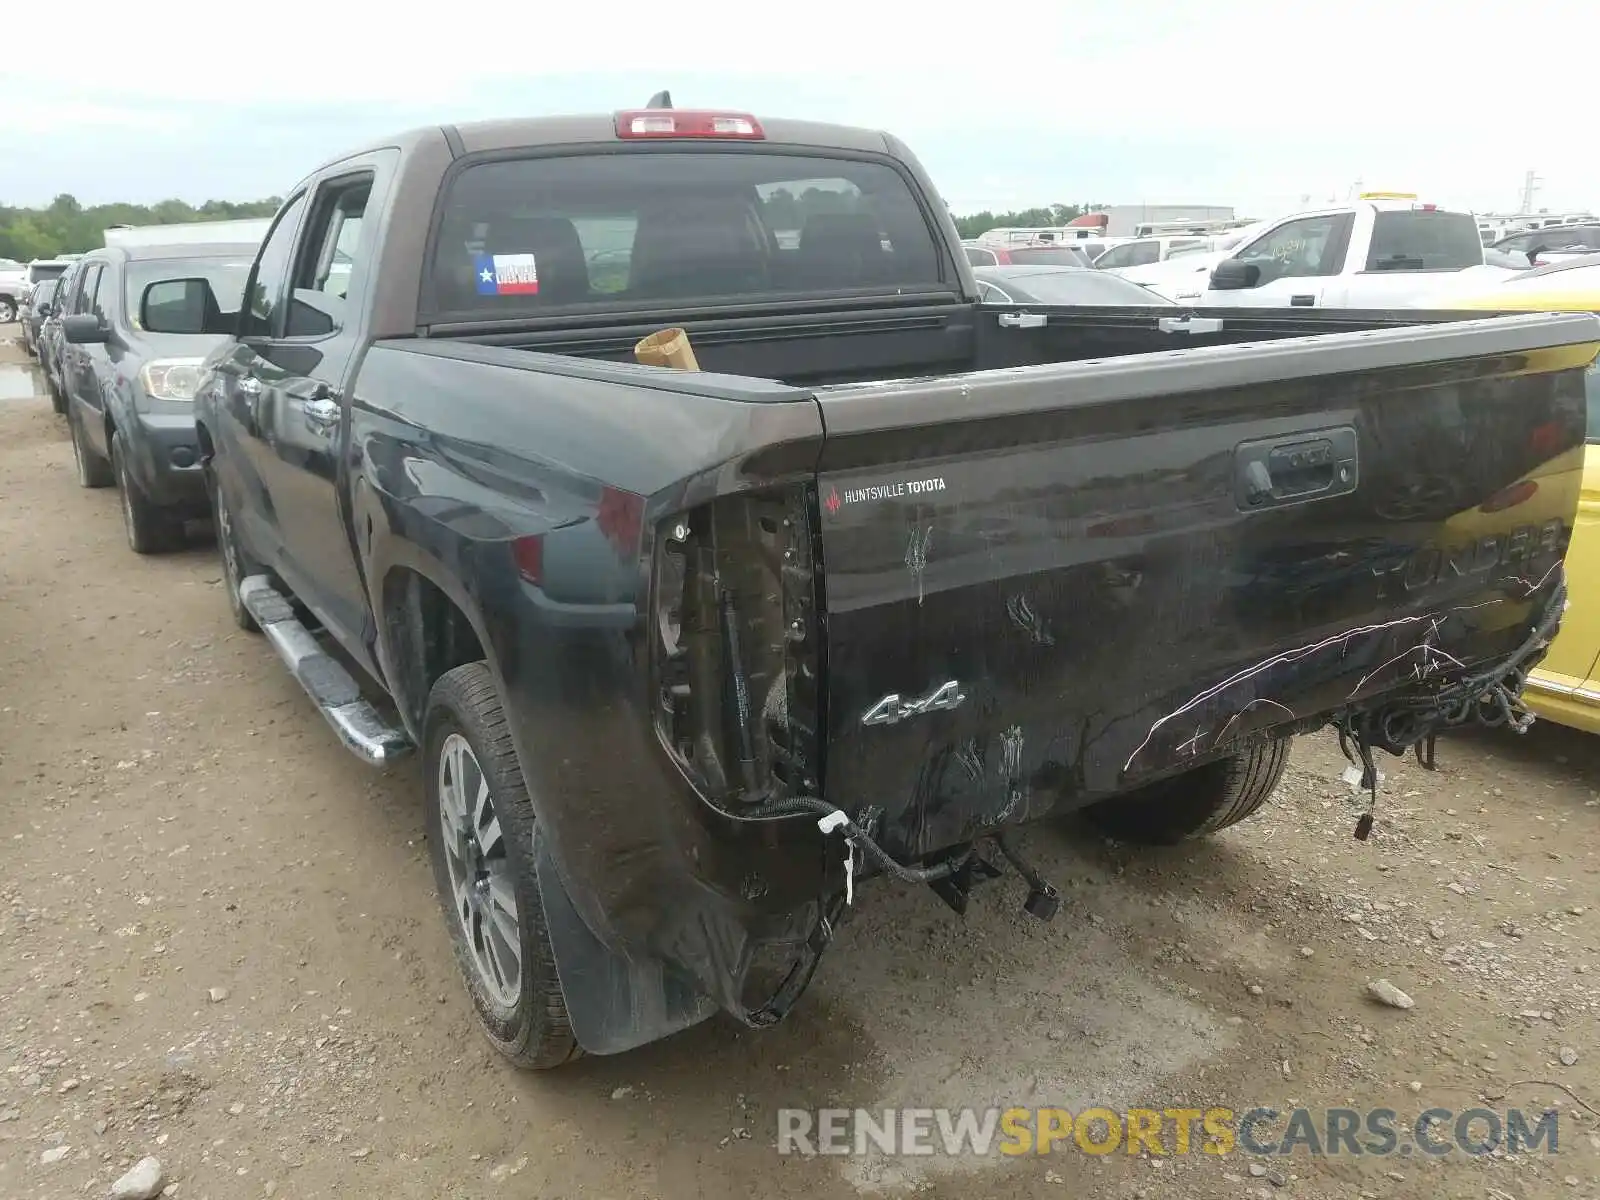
<point>67,227</point>
<point>1025,218</point>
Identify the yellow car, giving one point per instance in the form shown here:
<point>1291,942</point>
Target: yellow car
<point>1565,687</point>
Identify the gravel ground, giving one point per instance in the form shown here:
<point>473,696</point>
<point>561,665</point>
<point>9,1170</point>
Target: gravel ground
<point>219,946</point>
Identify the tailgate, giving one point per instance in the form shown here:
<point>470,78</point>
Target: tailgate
<point>1047,585</point>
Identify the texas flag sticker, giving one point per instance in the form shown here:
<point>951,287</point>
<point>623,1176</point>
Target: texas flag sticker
<point>506,274</point>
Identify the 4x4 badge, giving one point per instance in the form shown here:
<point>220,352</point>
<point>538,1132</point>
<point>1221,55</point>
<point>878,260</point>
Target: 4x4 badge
<point>892,708</point>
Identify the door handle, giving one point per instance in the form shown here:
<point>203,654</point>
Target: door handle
<point>1300,467</point>
<point>1022,320</point>
<point>1190,324</point>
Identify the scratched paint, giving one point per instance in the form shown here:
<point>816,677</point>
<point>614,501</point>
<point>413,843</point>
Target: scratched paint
<point>1011,743</point>
<point>1024,617</point>
<point>917,549</point>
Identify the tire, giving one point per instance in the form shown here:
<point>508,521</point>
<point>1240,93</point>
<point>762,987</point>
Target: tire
<point>237,565</point>
<point>8,310</point>
<point>58,401</point>
<point>525,1019</point>
<point>93,471</point>
<point>1198,802</point>
<point>151,529</point>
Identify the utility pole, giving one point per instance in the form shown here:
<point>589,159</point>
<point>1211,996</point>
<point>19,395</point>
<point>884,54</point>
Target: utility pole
<point>1530,184</point>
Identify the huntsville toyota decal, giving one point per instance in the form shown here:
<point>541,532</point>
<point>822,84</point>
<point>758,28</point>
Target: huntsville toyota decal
<point>883,491</point>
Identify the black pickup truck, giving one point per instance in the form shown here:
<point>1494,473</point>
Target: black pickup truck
<point>690,655</point>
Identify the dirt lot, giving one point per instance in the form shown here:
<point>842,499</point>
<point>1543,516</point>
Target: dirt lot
<point>175,818</point>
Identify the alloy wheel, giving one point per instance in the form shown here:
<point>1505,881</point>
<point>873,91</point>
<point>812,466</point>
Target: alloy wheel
<point>482,892</point>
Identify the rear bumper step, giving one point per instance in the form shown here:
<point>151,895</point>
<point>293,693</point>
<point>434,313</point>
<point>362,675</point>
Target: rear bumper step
<point>359,725</point>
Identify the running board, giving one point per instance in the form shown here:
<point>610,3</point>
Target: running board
<point>360,726</point>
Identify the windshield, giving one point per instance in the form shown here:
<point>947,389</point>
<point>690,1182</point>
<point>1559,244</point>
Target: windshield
<point>1075,287</point>
<point>1420,240</point>
<point>226,277</point>
<point>530,235</point>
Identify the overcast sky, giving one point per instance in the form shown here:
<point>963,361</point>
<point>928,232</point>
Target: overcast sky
<point>1237,102</point>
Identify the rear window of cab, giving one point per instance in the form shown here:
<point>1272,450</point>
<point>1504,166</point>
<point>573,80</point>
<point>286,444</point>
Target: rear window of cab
<point>526,235</point>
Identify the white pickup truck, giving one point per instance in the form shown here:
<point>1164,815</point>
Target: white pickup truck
<point>1379,250</point>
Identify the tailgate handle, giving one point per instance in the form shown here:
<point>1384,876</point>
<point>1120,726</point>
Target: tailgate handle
<point>1023,320</point>
<point>1189,324</point>
<point>1300,467</point>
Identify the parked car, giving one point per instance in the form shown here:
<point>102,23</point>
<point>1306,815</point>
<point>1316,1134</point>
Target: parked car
<point>690,655</point>
<point>1510,260</point>
<point>1565,686</point>
<point>1141,252</point>
<point>50,340</point>
<point>1381,249</point>
<point>141,321</point>
<point>980,255</point>
<point>14,287</point>
<point>1059,285</point>
<point>17,283</point>
<point>34,311</point>
<point>1553,241</point>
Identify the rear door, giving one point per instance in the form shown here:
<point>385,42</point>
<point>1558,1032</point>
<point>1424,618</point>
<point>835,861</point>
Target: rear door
<point>1050,585</point>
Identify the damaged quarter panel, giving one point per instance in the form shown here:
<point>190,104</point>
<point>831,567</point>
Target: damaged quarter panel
<point>499,502</point>
<point>1123,569</point>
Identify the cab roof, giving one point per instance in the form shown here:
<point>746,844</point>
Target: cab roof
<point>138,253</point>
<point>477,137</point>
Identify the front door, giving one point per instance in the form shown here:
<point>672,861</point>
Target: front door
<point>242,452</point>
<point>1295,263</point>
<point>301,375</point>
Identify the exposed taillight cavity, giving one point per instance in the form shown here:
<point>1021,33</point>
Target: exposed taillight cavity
<point>528,554</point>
<point>735,646</point>
<point>688,123</point>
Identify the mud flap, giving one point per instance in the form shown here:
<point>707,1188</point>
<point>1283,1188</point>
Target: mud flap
<point>613,1003</point>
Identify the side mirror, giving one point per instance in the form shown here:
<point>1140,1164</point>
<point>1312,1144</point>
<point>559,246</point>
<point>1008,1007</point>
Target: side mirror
<point>42,310</point>
<point>1234,275</point>
<point>179,306</point>
<point>84,329</point>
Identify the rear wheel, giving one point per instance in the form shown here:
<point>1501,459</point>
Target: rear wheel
<point>480,837</point>
<point>8,310</point>
<point>150,528</point>
<point>1198,802</point>
<point>93,471</point>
